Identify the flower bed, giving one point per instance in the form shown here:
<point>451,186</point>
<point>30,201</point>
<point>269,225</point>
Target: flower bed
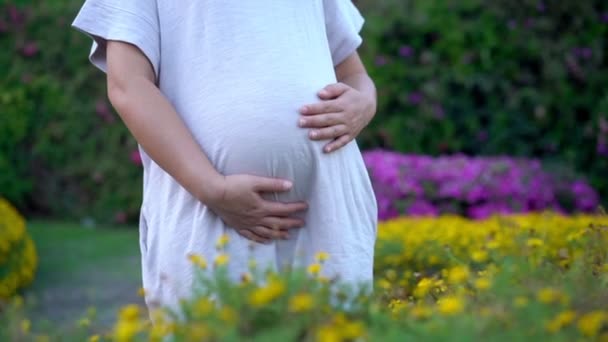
<point>474,187</point>
<point>18,258</point>
<point>531,277</point>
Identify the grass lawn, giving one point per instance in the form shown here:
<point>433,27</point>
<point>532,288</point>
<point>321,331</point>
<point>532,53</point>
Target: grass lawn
<point>82,267</point>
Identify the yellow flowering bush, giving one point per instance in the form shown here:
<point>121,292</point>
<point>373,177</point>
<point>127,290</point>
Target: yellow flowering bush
<point>18,259</point>
<point>529,277</point>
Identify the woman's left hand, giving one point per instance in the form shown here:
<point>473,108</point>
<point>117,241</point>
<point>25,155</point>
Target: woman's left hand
<point>340,116</point>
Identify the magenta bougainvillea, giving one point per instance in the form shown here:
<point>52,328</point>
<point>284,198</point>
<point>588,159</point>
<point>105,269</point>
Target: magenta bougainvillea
<point>476,187</point>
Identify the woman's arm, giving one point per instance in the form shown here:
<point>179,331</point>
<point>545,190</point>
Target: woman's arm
<point>163,135</point>
<point>346,107</point>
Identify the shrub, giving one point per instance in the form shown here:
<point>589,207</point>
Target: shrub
<point>18,259</point>
<point>63,151</point>
<point>475,187</point>
<point>524,78</point>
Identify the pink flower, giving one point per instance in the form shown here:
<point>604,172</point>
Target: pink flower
<point>136,157</point>
<point>29,49</point>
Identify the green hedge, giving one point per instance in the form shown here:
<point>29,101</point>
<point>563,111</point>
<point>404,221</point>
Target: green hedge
<point>480,77</point>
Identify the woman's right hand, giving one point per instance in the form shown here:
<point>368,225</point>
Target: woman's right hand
<point>238,202</point>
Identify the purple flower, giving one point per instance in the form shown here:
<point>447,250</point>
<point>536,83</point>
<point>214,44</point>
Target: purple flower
<point>406,51</point>
<point>422,208</point>
<point>381,60</point>
<point>415,97</point>
<point>103,110</point>
<point>602,148</point>
<point>541,7</point>
<point>438,111</point>
<point>604,17</point>
<point>29,49</point>
<point>512,24</point>
<point>476,187</point>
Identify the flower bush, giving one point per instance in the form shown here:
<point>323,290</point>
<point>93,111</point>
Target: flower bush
<point>475,187</point>
<point>530,277</point>
<point>18,259</point>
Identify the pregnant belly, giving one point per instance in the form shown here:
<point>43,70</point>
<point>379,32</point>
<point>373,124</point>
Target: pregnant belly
<point>259,135</point>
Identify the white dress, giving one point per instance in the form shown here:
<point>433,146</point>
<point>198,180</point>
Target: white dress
<point>237,71</point>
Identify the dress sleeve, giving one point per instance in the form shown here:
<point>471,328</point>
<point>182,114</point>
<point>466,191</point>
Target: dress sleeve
<point>131,21</point>
<point>343,23</point>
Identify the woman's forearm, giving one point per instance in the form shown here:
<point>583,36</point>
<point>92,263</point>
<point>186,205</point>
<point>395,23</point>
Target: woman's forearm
<point>157,127</point>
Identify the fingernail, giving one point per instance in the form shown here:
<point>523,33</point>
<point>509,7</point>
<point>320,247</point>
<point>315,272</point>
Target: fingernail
<point>303,109</point>
<point>323,92</point>
<point>328,149</point>
<point>313,134</point>
<point>286,185</point>
<point>302,122</point>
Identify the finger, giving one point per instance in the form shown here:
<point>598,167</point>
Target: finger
<point>331,106</point>
<point>337,143</point>
<point>265,184</point>
<point>271,208</point>
<point>253,237</point>
<point>320,120</point>
<point>333,90</point>
<point>331,132</point>
<point>268,233</point>
<point>282,223</point>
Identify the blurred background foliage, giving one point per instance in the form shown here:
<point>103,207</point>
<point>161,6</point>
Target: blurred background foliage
<point>518,78</point>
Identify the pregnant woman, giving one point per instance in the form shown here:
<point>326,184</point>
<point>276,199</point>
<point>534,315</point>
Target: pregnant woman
<point>245,112</point>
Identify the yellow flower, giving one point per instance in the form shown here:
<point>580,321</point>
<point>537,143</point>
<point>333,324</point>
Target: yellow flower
<point>534,242</point>
<point>222,241</point>
<point>94,338</point>
<point>197,332</point>
<point>352,330</point>
<point>560,321</point>
<point>590,323</point>
<point>328,334</point>
<point>423,287</point>
<point>548,295</point>
<point>198,260</point>
<point>482,284</point>
<point>450,305</point>
<point>84,322</point>
<point>222,259</point>
<point>130,312</point>
<point>322,256</point>
<point>397,305</point>
<point>228,315</point>
<point>264,295</point>
<point>203,306</point>
<point>125,331</point>
<point>421,312</point>
<point>25,326</point>
<point>314,269</point>
<point>384,284</point>
<point>479,256</point>
<point>520,302</point>
<point>301,302</point>
<point>458,274</point>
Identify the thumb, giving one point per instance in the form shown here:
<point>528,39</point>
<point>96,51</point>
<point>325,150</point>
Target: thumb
<point>265,184</point>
